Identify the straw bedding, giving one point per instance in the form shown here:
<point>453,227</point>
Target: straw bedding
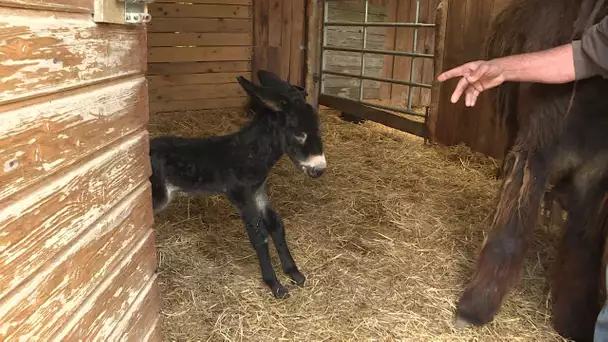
<point>387,239</point>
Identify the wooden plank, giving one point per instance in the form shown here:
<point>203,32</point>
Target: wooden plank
<point>199,39</point>
<point>298,38</point>
<point>199,54</point>
<point>389,61</point>
<point>198,67</point>
<point>101,312</point>
<point>274,60</point>
<point>441,17</point>
<point>155,335</point>
<point>40,139</point>
<point>175,106</point>
<point>285,42</point>
<point>78,6</point>
<point>196,91</point>
<point>490,137</point>
<point>47,301</point>
<point>314,34</point>
<point>199,11</point>
<point>156,82</point>
<point>259,62</point>
<point>200,25</point>
<point>420,63</point>
<point>40,223</point>
<point>377,115</point>
<point>260,23</point>
<point>227,2</point>
<point>275,21</point>
<point>403,42</point>
<point>427,46</point>
<point>142,318</point>
<point>454,44</point>
<point>46,52</point>
<point>465,129</point>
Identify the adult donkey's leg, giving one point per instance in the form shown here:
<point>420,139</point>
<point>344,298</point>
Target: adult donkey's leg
<point>576,280</point>
<point>503,252</point>
<point>252,209</point>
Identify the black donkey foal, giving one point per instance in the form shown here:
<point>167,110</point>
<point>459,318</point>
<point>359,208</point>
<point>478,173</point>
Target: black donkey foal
<point>238,164</point>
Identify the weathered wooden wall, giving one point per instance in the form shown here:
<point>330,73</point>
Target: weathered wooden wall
<point>467,28</point>
<point>77,249</point>
<point>196,49</point>
<point>279,38</point>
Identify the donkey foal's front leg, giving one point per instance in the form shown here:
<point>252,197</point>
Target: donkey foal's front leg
<point>259,240</point>
<point>275,227</point>
<point>252,205</point>
<point>503,253</point>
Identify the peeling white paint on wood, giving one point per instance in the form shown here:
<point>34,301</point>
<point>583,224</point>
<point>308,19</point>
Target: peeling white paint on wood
<point>149,336</point>
<point>48,51</point>
<point>63,5</point>
<point>105,324</point>
<point>48,314</point>
<point>135,309</point>
<point>34,157</point>
<point>52,223</point>
<point>66,222</point>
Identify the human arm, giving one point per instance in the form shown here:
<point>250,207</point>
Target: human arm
<point>577,60</point>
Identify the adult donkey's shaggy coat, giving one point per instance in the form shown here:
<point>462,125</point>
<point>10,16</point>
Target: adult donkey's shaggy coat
<point>556,138</point>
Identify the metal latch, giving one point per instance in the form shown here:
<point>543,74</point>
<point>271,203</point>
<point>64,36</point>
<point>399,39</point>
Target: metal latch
<point>136,11</point>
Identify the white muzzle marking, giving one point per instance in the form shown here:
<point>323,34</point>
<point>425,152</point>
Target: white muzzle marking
<point>317,162</point>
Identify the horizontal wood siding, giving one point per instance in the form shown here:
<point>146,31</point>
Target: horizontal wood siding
<point>77,252</point>
<point>195,52</point>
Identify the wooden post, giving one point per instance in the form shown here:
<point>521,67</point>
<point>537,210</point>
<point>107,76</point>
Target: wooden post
<point>441,16</point>
<point>314,9</point>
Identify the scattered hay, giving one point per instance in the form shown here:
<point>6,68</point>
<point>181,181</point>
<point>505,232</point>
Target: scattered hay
<point>387,239</point>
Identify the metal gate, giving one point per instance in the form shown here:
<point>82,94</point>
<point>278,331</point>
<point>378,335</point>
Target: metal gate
<point>402,117</point>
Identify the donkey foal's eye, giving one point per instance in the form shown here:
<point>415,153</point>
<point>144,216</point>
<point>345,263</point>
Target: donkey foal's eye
<point>300,137</point>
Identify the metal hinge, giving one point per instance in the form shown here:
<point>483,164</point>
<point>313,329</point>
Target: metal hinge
<point>122,11</point>
<point>136,11</point>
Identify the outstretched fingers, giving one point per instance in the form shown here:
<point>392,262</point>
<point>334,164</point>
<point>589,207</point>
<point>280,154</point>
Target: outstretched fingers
<point>469,83</point>
<point>459,71</point>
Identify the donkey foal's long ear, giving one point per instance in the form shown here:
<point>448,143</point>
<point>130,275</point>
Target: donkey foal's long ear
<point>269,79</point>
<point>267,96</point>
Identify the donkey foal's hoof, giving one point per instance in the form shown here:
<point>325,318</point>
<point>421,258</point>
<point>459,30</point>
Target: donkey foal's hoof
<point>297,277</point>
<point>281,292</point>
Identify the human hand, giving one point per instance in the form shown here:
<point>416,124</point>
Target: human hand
<point>476,76</point>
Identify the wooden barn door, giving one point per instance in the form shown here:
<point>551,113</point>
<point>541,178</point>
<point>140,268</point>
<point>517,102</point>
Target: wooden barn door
<point>77,249</point>
<point>279,34</point>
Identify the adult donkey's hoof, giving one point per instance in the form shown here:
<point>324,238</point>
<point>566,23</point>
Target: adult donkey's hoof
<point>475,308</point>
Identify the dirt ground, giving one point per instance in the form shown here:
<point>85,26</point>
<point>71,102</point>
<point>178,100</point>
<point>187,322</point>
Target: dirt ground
<point>386,237</point>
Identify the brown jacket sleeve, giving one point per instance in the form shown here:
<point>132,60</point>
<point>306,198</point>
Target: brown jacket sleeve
<point>591,52</point>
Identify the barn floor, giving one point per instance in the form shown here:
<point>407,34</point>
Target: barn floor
<point>387,238</point>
